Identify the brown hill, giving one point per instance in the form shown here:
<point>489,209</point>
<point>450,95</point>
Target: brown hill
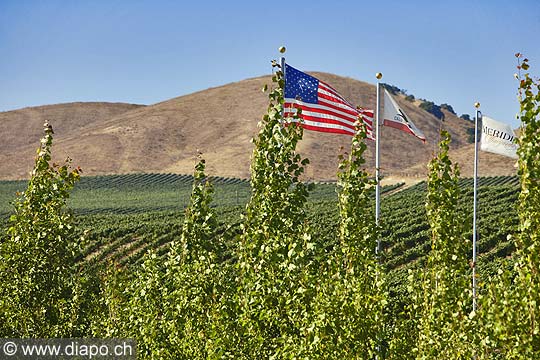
<point>489,164</point>
<point>165,137</point>
<point>21,128</point>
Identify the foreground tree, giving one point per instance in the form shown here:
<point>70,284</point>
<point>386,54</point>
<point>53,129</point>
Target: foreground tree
<point>512,304</point>
<point>442,304</point>
<point>173,308</point>
<point>348,311</point>
<point>195,283</point>
<point>37,267</point>
<point>275,289</point>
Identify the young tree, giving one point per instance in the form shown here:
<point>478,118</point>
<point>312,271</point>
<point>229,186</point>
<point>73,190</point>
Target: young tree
<point>443,304</point>
<point>38,259</point>
<point>512,312</point>
<point>172,308</point>
<point>273,265</point>
<point>348,311</point>
<point>195,285</point>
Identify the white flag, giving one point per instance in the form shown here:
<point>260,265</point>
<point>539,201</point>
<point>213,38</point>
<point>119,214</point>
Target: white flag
<point>396,118</point>
<point>498,138</point>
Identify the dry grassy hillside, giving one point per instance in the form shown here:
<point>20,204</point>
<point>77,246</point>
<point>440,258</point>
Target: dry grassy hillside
<point>23,127</point>
<point>165,137</point>
<point>489,164</point>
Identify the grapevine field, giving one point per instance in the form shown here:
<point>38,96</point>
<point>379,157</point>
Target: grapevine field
<point>124,216</point>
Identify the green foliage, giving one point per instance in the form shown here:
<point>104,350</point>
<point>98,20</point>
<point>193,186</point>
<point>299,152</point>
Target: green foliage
<point>275,285</point>
<point>410,98</point>
<point>195,285</point>
<point>466,117</point>
<point>470,134</point>
<point>394,90</point>
<point>146,309</point>
<point>173,308</point>
<point>442,302</point>
<point>448,108</point>
<point>348,315</point>
<point>433,109</point>
<point>511,305</point>
<point>289,278</point>
<point>529,172</point>
<point>39,293</point>
<point>199,220</point>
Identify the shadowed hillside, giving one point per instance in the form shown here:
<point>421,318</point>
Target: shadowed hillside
<point>165,137</point>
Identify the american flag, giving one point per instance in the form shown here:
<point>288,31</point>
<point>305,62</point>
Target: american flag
<point>323,108</point>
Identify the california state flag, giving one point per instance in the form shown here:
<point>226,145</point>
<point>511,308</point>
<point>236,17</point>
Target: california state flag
<point>396,118</point>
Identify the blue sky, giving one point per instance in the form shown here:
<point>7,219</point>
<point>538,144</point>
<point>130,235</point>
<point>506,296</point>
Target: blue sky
<point>454,52</point>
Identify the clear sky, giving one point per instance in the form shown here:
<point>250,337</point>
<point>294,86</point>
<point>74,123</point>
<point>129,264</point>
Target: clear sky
<point>454,52</point>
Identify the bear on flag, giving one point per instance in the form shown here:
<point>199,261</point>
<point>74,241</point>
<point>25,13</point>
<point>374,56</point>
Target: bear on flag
<point>396,118</point>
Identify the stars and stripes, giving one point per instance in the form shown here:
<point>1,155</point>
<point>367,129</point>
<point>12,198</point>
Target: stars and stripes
<point>323,108</point>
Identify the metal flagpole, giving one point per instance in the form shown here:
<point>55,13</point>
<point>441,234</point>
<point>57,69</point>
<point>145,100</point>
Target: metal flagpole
<point>377,175</point>
<point>475,193</point>
<point>377,160</point>
<point>282,63</point>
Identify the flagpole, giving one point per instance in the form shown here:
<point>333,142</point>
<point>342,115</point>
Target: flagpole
<point>282,50</point>
<point>282,62</point>
<point>377,161</point>
<point>475,201</point>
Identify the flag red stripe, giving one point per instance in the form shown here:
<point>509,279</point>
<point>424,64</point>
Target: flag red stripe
<point>328,86</point>
<point>333,99</point>
<point>367,113</point>
<point>368,121</point>
<point>337,111</point>
<point>339,107</point>
<point>326,121</point>
<point>328,130</point>
<point>322,125</point>
<point>304,107</point>
<point>400,126</point>
<point>323,121</point>
<point>348,110</point>
<point>332,130</point>
<point>331,90</point>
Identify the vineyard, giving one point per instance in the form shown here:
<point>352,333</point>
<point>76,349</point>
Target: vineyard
<point>124,216</point>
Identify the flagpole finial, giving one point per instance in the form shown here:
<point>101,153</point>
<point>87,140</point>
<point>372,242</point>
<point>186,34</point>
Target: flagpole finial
<point>378,76</point>
<point>282,49</point>
<point>477,105</point>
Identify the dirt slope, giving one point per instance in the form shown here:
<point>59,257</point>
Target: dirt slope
<point>165,137</point>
